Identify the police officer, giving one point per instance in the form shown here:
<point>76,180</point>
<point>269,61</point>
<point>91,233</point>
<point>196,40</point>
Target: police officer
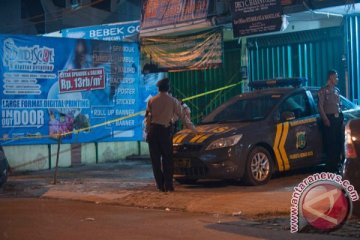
<point>332,118</point>
<point>161,109</point>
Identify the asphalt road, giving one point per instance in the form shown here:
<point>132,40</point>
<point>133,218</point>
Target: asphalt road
<point>32,204</point>
<point>44,219</point>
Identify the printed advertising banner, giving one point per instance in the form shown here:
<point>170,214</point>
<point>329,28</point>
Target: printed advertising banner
<point>197,51</point>
<point>254,17</point>
<point>158,13</point>
<point>107,32</point>
<point>53,86</point>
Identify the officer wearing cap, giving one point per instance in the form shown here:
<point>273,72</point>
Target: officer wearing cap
<point>160,111</point>
<point>332,118</point>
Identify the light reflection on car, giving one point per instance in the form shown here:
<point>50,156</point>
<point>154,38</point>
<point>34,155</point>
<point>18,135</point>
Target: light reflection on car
<point>351,166</point>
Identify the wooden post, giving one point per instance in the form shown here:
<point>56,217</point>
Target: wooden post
<point>57,159</point>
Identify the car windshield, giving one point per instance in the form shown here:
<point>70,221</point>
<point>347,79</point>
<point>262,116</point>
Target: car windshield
<point>241,109</point>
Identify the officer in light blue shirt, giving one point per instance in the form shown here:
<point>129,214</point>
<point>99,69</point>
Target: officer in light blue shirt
<point>332,119</point>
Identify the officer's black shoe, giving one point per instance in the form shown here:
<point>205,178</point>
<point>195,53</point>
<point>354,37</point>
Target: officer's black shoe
<point>161,189</point>
<point>170,189</point>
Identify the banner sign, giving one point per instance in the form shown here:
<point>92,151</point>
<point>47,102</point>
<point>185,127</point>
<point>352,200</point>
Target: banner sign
<point>51,86</point>
<point>181,53</point>
<point>108,32</point>
<point>254,17</point>
<point>148,87</point>
<point>158,13</point>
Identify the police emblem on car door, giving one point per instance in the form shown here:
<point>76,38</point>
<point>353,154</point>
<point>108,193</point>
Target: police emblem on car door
<point>301,140</point>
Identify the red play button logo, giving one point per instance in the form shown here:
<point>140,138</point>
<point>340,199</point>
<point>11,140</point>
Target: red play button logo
<point>325,206</point>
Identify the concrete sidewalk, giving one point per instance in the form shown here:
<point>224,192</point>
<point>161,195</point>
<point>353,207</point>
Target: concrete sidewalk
<point>130,183</point>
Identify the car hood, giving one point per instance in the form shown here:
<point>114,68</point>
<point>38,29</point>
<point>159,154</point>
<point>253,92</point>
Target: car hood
<point>207,133</point>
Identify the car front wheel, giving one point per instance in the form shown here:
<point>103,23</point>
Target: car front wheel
<point>259,167</point>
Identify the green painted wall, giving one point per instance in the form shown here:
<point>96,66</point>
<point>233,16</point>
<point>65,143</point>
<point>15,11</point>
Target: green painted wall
<point>352,34</point>
<point>308,54</point>
<point>191,83</point>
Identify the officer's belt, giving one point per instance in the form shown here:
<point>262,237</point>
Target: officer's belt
<point>334,115</point>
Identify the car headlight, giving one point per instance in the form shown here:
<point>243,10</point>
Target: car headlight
<point>224,142</point>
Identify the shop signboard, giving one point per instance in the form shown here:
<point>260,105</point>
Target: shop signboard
<point>107,32</point>
<point>255,17</point>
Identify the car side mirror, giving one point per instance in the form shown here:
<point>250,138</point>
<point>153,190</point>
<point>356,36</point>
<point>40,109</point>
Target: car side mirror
<point>287,116</point>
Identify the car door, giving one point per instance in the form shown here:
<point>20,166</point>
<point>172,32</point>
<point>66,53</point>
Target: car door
<point>298,134</point>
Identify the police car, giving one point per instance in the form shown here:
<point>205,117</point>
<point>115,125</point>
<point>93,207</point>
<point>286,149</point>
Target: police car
<point>274,128</point>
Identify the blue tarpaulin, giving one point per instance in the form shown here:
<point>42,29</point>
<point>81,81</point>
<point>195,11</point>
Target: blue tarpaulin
<point>51,86</point>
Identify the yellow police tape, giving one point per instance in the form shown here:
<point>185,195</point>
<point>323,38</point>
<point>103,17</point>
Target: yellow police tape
<point>61,135</point>
<point>212,91</point>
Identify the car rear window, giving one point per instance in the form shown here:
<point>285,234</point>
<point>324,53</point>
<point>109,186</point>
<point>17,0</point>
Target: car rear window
<point>243,109</point>
<point>345,103</point>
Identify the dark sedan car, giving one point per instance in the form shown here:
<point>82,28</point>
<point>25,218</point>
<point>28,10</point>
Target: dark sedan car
<point>275,128</point>
<point>4,167</point>
<point>351,167</point>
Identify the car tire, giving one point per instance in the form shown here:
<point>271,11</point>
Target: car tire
<point>3,177</point>
<point>259,167</point>
<point>4,168</point>
<point>186,180</point>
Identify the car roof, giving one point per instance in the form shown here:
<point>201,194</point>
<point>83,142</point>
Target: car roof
<point>281,86</point>
<point>270,91</point>
<point>280,90</point>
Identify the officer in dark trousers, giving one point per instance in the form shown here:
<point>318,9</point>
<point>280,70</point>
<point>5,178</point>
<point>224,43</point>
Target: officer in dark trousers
<point>160,111</point>
<point>332,118</point>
